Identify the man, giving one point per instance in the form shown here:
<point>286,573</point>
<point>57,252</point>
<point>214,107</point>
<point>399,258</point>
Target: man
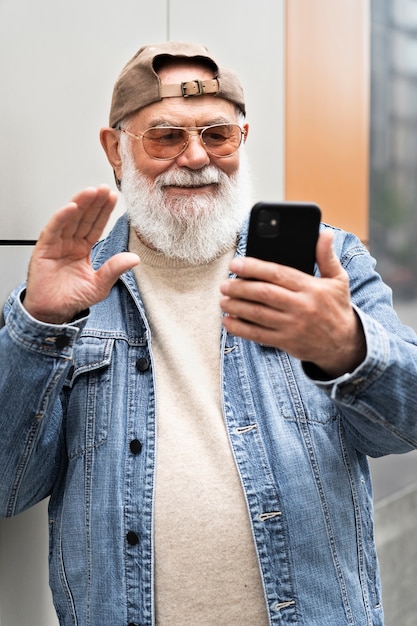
<point>203,468</point>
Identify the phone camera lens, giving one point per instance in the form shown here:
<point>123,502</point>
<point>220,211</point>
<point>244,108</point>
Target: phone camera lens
<point>268,224</point>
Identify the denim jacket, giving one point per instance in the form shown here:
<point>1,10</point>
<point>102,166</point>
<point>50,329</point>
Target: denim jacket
<point>77,423</point>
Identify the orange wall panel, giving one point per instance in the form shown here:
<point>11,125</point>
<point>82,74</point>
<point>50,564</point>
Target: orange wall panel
<point>327,108</point>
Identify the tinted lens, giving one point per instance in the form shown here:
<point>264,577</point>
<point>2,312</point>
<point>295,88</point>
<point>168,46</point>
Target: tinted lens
<point>223,139</point>
<point>164,143</point>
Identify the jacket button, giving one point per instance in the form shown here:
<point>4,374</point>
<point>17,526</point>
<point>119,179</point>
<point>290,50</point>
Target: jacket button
<point>142,364</point>
<point>132,538</point>
<point>135,446</point>
<point>62,341</point>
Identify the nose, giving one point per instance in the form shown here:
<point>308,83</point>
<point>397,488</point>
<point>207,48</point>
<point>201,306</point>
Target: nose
<point>195,156</point>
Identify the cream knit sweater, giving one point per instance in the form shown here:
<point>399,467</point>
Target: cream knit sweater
<point>206,571</point>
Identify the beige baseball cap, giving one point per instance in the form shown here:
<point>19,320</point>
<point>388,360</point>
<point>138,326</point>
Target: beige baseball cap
<point>139,85</point>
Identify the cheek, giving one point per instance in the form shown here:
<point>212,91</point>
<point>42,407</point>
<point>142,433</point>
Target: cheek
<point>151,168</point>
<point>229,165</point>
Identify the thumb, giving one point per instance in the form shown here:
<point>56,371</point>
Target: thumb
<point>327,261</point>
<point>115,267</point>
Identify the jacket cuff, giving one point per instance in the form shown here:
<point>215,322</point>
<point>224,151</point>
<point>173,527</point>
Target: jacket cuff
<point>56,340</point>
<point>347,387</point>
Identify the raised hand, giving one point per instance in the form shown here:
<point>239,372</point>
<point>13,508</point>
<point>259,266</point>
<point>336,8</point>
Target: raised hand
<point>311,319</point>
<point>61,281</point>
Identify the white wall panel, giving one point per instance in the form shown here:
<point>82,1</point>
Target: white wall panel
<point>13,268</point>
<point>58,64</point>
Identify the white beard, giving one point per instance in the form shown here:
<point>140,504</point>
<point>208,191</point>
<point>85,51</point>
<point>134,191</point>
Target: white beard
<point>196,228</point>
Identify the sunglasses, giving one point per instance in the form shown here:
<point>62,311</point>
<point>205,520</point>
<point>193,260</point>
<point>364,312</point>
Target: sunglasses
<point>168,142</point>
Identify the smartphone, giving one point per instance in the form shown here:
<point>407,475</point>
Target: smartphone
<point>285,232</point>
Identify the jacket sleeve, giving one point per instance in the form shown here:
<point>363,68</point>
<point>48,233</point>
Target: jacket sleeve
<point>35,359</point>
<point>378,400</point>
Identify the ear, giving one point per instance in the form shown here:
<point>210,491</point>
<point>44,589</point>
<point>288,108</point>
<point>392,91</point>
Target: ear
<point>109,138</point>
<point>246,129</point>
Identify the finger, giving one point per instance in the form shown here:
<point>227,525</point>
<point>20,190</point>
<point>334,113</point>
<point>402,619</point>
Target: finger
<point>95,206</point>
<point>83,218</point>
<point>255,269</point>
<point>85,201</point>
<point>95,221</point>
<point>65,222</point>
<point>252,332</point>
<point>114,268</point>
<point>254,312</point>
<point>327,261</point>
<point>58,224</point>
<point>90,195</point>
<point>256,291</point>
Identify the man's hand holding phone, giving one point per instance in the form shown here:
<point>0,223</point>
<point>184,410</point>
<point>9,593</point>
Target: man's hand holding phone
<point>310,318</point>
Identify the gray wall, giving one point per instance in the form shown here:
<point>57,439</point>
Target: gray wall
<point>58,64</point>
<point>395,522</point>
<point>395,490</point>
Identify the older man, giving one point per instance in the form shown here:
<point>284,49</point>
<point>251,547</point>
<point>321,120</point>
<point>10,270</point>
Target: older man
<point>203,468</point>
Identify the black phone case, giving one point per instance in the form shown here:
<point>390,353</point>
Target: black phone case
<point>285,233</point>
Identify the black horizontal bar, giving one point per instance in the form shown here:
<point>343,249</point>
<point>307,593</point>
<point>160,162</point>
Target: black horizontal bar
<point>17,242</point>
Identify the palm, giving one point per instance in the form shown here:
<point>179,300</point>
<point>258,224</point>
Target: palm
<point>61,280</point>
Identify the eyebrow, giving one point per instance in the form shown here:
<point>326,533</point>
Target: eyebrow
<point>211,122</point>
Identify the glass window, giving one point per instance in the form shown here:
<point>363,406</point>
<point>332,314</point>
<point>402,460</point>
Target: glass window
<point>393,175</point>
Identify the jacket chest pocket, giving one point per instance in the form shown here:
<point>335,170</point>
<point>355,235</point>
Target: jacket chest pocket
<point>302,400</point>
<point>88,395</point>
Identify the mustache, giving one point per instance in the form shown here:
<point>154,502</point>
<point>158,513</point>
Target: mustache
<point>209,175</point>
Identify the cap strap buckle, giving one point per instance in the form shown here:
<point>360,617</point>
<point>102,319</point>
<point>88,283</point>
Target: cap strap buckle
<point>190,88</point>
